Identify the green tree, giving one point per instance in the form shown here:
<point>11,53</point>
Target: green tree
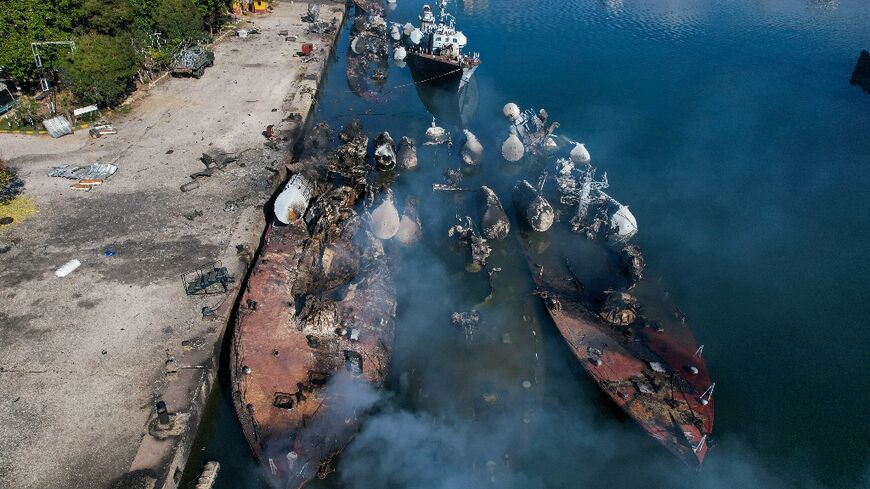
<point>212,12</point>
<point>110,17</point>
<point>178,20</point>
<point>25,21</point>
<point>144,12</point>
<point>101,70</point>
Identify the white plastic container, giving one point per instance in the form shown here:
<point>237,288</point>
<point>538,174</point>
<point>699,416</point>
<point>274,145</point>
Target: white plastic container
<point>292,202</point>
<point>67,268</point>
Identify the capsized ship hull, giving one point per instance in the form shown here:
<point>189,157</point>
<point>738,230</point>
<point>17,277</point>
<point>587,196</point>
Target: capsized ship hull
<point>313,338</point>
<point>646,367</point>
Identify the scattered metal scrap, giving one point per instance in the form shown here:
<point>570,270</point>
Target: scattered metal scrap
<point>214,279</point>
<point>102,128</point>
<point>88,176</point>
<point>58,126</point>
<point>467,234</point>
<point>466,321</point>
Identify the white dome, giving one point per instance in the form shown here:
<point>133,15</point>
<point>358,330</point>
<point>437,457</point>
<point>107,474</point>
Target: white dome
<point>623,223</point>
<point>395,33</point>
<point>416,36</point>
<point>400,54</point>
<point>550,146</point>
<point>384,221</point>
<point>407,29</point>
<point>511,111</point>
<point>472,150</point>
<point>580,155</point>
<point>512,149</point>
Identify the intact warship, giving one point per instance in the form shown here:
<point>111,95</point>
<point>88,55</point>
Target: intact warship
<point>315,323</point>
<point>623,331</point>
<point>434,51</point>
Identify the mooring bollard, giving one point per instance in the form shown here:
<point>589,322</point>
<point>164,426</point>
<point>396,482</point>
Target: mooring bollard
<point>162,414</point>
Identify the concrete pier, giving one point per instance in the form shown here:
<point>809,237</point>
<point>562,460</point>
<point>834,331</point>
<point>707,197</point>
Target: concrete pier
<point>84,359</point>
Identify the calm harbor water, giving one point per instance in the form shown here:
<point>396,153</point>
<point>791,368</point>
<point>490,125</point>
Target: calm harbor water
<point>730,129</point>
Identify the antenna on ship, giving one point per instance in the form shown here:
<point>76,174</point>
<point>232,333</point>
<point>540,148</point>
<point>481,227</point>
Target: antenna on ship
<point>708,394</point>
<point>700,444</point>
<point>699,351</point>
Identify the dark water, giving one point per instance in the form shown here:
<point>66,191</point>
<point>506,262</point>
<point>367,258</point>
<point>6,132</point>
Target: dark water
<point>730,129</point>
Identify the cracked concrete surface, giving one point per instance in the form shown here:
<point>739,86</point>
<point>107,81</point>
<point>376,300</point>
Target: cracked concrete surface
<point>84,358</point>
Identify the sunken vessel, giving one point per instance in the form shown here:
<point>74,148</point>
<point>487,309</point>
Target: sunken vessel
<point>622,329</point>
<point>315,324</point>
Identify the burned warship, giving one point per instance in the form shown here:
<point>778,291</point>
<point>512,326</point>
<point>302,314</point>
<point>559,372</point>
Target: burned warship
<point>315,324</point>
<point>370,7</point>
<point>367,62</point>
<point>623,331</point>
<point>434,51</point>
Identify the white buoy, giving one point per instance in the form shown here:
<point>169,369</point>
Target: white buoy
<point>512,149</point>
<point>580,155</point>
<point>399,54</point>
<point>292,202</point>
<point>511,111</point>
<point>416,36</point>
<point>384,220</point>
<point>67,268</point>
<point>472,150</point>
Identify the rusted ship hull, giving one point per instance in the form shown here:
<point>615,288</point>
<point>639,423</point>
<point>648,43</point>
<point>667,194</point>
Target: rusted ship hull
<point>312,340</point>
<point>651,368</point>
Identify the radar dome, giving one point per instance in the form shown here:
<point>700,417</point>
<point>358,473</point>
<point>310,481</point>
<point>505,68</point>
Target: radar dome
<point>513,149</point>
<point>623,223</point>
<point>511,111</point>
<point>416,36</point>
<point>580,155</point>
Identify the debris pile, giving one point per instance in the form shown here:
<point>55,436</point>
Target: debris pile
<point>598,215</point>
<point>631,264</point>
<point>530,132</point>
<point>494,223</point>
<point>87,176</point>
<point>480,250</point>
<point>466,321</point>
<point>367,57</point>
